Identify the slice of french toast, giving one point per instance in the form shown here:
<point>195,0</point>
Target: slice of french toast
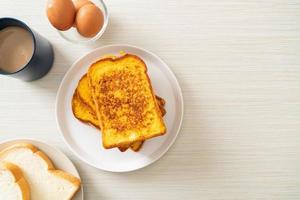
<point>83,112</point>
<point>125,103</point>
<point>83,109</point>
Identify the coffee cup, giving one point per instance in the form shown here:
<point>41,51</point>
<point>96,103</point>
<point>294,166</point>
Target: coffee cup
<point>24,54</point>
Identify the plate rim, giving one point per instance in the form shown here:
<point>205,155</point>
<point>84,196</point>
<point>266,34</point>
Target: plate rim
<point>29,139</point>
<point>59,93</point>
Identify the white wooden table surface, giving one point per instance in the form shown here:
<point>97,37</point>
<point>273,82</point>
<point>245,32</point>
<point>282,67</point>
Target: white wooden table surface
<point>238,62</point>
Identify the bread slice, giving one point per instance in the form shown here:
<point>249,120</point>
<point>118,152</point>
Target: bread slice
<point>125,104</point>
<point>13,185</point>
<point>84,92</point>
<point>83,112</point>
<point>136,146</point>
<point>45,182</point>
<point>83,108</point>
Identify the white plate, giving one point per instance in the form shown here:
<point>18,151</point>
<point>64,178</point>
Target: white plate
<point>85,141</point>
<point>60,160</point>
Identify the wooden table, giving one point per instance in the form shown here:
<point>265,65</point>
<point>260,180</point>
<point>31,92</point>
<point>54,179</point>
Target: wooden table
<point>238,63</point>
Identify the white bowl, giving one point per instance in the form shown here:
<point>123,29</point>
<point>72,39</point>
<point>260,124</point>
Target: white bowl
<point>72,34</point>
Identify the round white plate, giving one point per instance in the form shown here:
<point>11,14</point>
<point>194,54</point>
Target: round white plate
<point>85,141</point>
<point>60,160</point>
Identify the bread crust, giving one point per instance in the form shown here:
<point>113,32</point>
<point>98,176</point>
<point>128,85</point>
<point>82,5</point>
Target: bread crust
<point>49,165</point>
<point>76,97</point>
<point>136,146</point>
<point>19,145</point>
<point>18,178</point>
<point>141,137</point>
<point>80,96</point>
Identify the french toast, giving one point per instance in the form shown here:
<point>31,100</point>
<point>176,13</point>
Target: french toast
<point>124,100</point>
<point>83,109</point>
<point>84,93</point>
<point>83,112</point>
<point>86,114</point>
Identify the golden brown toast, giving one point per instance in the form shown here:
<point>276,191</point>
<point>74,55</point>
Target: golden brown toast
<point>125,103</point>
<point>87,115</point>
<point>83,109</point>
<point>84,93</point>
<point>83,112</point>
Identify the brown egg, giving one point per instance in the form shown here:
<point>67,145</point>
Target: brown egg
<point>61,14</point>
<point>89,20</point>
<point>79,3</point>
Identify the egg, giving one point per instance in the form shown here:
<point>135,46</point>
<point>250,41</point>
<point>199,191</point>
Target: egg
<point>89,20</point>
<point>79,3</point>
<point>61,14</point>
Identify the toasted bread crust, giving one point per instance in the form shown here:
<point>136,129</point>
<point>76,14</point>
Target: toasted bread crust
<point>18,178</point>
<point>117,127</point>
<point>136,146</point>
<point>70,178</point>
<point>78,104</point>
<point>84,93</point>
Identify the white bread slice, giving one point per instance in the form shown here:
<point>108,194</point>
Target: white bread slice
<point>13,185</point>
<point>46,183</point>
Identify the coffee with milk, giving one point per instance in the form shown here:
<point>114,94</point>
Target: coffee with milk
<point>16,48</point>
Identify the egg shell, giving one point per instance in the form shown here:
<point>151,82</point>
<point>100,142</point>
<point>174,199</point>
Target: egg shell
<point>61,14</point>
<point>79,3</point>
<point>89,20</point>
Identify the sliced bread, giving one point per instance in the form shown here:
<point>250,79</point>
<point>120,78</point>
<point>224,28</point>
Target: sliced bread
<point>45,182</point>
<point>13,185</point>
